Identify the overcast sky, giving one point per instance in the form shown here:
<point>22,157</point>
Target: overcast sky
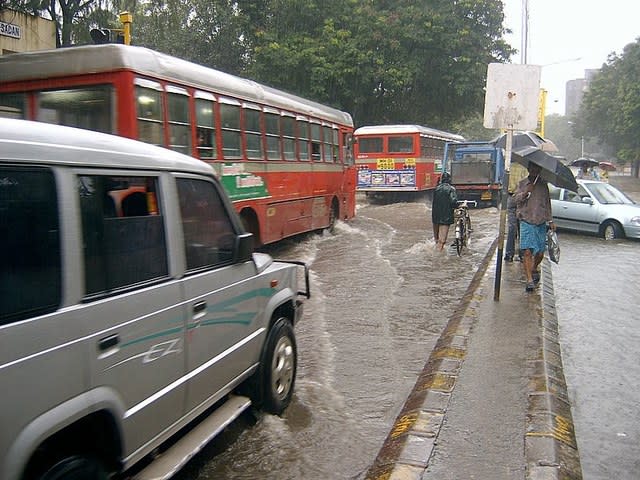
<point>566,37</point>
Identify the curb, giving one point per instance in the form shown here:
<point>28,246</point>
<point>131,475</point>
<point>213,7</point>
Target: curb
<point>551,451</point>
<point>406,451</point>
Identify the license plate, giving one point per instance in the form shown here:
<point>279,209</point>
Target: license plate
<point>486,196</point>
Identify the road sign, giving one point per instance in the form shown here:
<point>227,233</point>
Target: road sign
<point>512,95</point>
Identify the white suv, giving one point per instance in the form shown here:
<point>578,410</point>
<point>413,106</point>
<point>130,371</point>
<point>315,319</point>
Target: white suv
<point>130,304</point>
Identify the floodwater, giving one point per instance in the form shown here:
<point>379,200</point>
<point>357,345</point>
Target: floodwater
<point>597,287</point>
<point>381,296</point>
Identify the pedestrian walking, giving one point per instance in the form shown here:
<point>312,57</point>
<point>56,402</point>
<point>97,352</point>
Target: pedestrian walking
<point>445,199</point>
<point>534,213</point>
<point>516,173</point>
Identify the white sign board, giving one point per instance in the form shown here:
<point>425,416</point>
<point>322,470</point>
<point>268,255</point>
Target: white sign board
<point>511,98</point>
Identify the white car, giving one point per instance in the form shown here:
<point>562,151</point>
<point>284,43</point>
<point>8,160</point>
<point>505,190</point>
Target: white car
<point>597,208</point>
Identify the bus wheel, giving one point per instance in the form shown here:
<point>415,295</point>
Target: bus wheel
<point>76,468</point>
<point>333,216</point>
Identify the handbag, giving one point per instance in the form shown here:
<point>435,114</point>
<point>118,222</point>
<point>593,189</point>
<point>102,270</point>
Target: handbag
<point>553,246</point>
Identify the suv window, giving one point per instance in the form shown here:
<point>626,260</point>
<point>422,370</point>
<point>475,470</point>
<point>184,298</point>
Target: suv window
<point>208,231</point>
<point>123,232</point>
<point>30,280</point>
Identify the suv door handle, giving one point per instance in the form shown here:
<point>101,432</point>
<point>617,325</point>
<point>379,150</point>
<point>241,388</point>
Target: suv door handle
<point>108,342</point>
<point>199,310</point>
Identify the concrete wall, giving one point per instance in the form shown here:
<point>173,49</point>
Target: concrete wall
<point>20,32</point>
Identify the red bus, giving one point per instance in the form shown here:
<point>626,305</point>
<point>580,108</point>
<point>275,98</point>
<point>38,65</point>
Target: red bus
<point>397,159</point>
<point>285,161</point>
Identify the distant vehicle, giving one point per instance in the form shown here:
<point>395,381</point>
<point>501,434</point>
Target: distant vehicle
<point>399,160</point>
<point>132,307</point>
<point>596,208</point>
<point>476,170</point>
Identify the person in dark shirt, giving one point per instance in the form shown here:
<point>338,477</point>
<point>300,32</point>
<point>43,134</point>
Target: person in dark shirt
<point>444,202</point>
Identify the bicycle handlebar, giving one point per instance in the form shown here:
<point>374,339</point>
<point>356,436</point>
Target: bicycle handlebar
<point>467,203</point>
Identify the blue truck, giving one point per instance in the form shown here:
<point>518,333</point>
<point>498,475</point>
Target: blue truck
<point>476,170</point>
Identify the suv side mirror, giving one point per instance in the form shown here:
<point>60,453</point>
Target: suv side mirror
<point>243,248</point>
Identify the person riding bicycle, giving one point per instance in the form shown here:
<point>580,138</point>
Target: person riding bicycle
<point>445,199</point>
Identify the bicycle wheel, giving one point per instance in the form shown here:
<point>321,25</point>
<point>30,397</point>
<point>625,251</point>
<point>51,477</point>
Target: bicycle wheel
<point>460,235</point>
<point>467,231</point>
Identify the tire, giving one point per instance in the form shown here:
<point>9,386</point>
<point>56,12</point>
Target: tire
<point>76,468</point>
<point>273,385</point>
<point>333,217</point>
<point>612,230</point>
<point>460,236</point>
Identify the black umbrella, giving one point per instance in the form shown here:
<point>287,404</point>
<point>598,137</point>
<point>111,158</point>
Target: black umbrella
<point>584,162</point>
<point>523,139</point>
<point>553,170</point>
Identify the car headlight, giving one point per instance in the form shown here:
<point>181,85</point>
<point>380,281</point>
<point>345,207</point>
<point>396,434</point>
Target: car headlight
<point>635,221</point>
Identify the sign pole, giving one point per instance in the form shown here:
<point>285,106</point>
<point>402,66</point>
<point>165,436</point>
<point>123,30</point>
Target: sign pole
<point>503,213</point>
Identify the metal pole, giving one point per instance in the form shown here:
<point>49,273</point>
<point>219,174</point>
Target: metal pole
<point>503,213</point>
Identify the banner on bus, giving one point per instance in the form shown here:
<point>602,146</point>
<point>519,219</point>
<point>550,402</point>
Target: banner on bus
<point>386,178</point>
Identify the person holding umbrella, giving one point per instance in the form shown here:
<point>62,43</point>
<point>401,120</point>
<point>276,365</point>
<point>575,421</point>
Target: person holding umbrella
<point>533,209</point>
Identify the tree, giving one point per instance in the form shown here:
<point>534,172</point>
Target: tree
<point>610,108</point>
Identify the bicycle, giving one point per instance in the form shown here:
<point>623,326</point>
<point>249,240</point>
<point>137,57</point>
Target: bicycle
<point>462,224</point>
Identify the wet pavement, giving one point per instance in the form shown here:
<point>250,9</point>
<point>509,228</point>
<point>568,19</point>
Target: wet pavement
<point>492,399</point>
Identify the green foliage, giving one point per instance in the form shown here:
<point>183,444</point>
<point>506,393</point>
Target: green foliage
<point>610,108</point>
<point>401,61</point>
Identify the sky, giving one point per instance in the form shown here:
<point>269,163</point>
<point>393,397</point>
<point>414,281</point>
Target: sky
<point>567,37</point>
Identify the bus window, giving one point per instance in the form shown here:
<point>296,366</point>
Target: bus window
<point>370,145</point>
<point>316,138</point>
<point>335,135</point>
<point>400,144</point>
<point>253,132</point>
<point>205,124</point>
<point>327,148</point>
<point>303,138</point>
<point>85,107</point>
<point>12,105</point>
<point>230,118</point>
<point>288,137</point>
<point>149,112</point>
<point>179,123</point>
<point>272,129</point>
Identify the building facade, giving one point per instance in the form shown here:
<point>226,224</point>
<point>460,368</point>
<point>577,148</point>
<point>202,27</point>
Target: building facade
<point>20,32</point>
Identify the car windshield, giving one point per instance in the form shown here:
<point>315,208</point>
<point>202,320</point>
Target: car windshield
<point>607,194</point>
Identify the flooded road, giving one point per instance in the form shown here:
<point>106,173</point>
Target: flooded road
<point>597,286</point>
<point>381,295</point>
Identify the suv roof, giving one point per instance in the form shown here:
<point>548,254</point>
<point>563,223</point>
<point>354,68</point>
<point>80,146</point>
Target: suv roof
<point>74,147</point>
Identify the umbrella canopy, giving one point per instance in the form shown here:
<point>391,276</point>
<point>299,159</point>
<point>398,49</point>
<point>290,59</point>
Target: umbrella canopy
<point>553,170</point>
<point>609,167</point>
<point>523,139</point>
<point>584,162</point>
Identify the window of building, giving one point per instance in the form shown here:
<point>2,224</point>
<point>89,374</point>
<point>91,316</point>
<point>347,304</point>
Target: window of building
<point>208,231</point>
<point>123,232</point>
<point>30,277</point>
